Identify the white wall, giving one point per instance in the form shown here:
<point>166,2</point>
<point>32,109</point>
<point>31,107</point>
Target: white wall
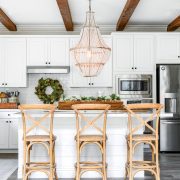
<point>27,94</point>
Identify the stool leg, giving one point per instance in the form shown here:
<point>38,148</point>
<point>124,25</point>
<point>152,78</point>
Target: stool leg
<point>130,161</point>
<point>78,161</point>
<point>24,162</point>
<point>104,160</point>
<point>55,173</point>
<point>51,161</point>
<point>157,161</point>
<point>126,167</point>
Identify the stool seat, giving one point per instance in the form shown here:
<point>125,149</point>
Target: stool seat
<point>39,138</point>
<point>145,137</point>
<point>91,165</point>
<point>90,138</point>
<point>143,164</point>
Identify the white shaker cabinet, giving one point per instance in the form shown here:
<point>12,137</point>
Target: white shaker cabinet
<point>168,48</point>
<point>48,51</point>
<point>123,52</point>
<point>104,79</point>
<point>143,52</point>
<point>58,51</point>
<point>2,70</point>
<point>13,133</point>
<point>13,62</point>
<point>36,51</point>
<point>4,133</point>
<point>133,53</point>
<point>9,131</point>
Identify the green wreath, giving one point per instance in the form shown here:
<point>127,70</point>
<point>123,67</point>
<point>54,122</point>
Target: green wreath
<point>40,90</point>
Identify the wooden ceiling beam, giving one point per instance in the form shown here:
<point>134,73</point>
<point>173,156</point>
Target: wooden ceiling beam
<point>6,21</point>
<point>126,14</point>
<point>175,24</point>
<point>66,14</point>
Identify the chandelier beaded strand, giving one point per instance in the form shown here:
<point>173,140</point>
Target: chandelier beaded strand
<point>91,53</point>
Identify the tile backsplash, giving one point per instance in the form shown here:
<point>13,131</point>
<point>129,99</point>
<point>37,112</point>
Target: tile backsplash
<point>27,94</point>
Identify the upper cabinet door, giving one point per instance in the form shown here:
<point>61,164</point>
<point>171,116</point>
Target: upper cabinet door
<point>15,62</point>
<point>104,79</point>
<point>143,52</point>
<point>77,80</point>
<point>2,70</point>
<point>123,52</point>
<point>58,51</point>
<point>37,52</point>
<point>168,48</point>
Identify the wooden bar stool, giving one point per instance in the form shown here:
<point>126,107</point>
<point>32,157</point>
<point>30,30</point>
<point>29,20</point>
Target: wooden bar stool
<point>47,139</point>
<point>82,138</point>
<point>134,139</point>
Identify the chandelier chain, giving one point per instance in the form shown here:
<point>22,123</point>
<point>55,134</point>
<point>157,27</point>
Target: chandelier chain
<point>89,5</point>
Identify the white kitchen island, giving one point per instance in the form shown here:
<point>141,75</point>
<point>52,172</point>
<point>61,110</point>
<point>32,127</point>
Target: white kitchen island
<point>65,149</point>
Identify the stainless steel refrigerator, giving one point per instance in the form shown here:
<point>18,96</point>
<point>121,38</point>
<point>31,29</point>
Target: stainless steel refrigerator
<point>168,93</point>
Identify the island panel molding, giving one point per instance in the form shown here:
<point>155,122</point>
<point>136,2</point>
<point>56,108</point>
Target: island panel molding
<point>6,21</point>
<point>66,14</point>
<point>126,14</point>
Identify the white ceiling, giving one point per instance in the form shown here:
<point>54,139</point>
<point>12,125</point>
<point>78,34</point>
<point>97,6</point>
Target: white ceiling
<point>46,12</point>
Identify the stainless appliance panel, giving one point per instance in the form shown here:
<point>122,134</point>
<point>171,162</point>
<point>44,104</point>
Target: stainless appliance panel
<point>169,87</point>
<point>170,135</point>
<point>168,93</point>
<point>132,86</point>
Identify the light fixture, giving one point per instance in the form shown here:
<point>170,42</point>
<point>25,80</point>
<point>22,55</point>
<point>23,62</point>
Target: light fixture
<point>91,53</point>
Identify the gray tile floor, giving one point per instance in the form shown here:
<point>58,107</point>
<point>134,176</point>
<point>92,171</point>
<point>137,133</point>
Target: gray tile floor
<point>169,165</point>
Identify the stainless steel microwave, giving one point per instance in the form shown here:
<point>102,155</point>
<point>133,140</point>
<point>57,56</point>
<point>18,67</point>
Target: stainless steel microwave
<point>134,86</point>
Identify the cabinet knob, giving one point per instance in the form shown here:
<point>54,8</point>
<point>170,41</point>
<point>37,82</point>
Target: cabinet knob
<point>10,121</point>
<point>132,68</point>
<point>178,56</point>
<point>6,121</point>
<point>46,62</point>
<point>8,114</point>
<point>89,83</point>
<point>6,84</point>
<point>49,63</point>
<point>135,67</point>
<point>92,83</point>
<point>2,83</point>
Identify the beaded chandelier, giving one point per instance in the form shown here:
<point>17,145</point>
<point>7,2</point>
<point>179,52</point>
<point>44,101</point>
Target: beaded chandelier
<point>91,53</point>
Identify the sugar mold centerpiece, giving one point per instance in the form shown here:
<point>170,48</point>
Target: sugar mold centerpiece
<point>113,100</point>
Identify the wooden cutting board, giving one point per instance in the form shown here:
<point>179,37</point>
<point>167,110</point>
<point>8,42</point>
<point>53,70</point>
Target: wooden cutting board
<point>8,105</point>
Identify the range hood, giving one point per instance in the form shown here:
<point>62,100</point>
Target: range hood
<point>48,69</point>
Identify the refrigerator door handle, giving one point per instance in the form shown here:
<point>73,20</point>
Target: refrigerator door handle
<point>171,122</point>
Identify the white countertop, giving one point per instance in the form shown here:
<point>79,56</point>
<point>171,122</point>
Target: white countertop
<point>70,113</point>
